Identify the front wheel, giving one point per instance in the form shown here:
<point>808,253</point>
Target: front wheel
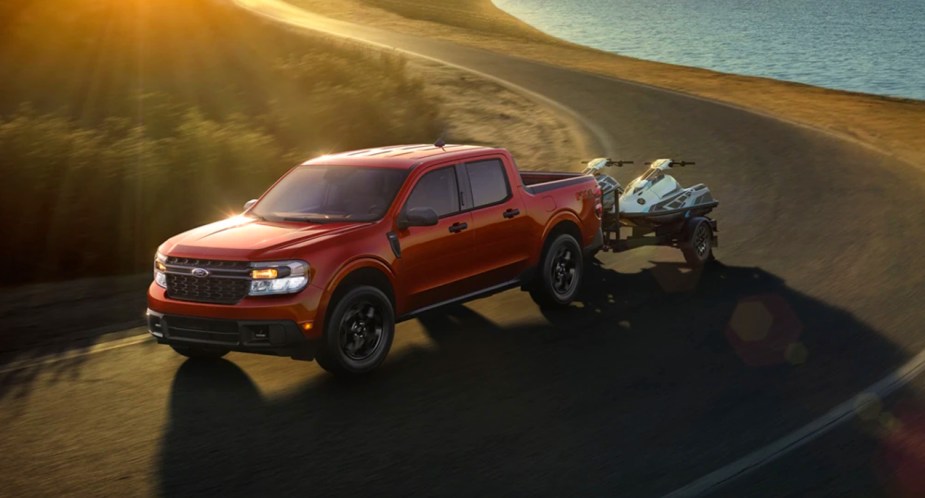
<point>359,332</point>
<point>560,273</point>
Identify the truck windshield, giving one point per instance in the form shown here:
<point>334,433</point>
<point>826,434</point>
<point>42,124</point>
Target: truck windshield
<point>325,194</point>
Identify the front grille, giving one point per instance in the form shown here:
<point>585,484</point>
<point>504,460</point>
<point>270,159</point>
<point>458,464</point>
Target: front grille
<point>209,263</point>
<point>216,290</point>
<point>227,282</point>
<point>201,329</point>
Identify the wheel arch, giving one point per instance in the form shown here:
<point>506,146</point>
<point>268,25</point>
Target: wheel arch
<point>364,271</point>
<point>564,223</point>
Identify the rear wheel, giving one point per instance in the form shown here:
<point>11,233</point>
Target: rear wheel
<point>200,352</point>
<point>359,332</point>
<point>560,273</point>
<point>698,243</point>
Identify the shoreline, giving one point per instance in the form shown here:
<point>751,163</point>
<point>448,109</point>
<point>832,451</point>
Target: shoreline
<point>889,125</point>
<point>551,25</point>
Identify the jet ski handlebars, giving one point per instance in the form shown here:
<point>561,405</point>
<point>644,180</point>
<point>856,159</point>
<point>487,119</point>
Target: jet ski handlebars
<point>597,165</point>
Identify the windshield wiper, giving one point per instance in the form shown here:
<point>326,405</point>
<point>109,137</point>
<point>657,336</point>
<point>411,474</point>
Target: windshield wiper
<point>308,219</point>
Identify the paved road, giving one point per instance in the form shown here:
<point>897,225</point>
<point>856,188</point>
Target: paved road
<point>658,376</point>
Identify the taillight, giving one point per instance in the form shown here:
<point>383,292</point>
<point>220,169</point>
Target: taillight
<point>598,207</point>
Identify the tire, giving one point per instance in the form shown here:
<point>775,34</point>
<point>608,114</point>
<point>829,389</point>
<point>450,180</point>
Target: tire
<point>200,352</point>
<point>358,332</point>
<point>698,242</point>
<point>560,273</point>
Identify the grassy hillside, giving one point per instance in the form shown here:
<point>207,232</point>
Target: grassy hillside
<point>123,122</point>
<point>473,15</point>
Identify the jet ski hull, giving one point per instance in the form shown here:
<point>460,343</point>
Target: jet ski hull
<point>650,219</point>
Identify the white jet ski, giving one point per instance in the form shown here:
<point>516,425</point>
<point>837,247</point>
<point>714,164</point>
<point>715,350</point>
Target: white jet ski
<point>656,198</point>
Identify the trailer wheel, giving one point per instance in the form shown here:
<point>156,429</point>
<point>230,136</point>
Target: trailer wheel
<point>698,242</point>
<point>359,332</point>
<point>560,273</point>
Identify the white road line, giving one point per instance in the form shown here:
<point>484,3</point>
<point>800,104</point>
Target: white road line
<point>822,425</point>
<point>97,348</point>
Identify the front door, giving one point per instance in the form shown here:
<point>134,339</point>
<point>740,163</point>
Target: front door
<point>436,261</point>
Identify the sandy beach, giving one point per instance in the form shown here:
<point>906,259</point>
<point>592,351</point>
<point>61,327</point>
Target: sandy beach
<point>890,125</point>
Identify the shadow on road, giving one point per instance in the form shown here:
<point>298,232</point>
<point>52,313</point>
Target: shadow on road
<point>60,320</point>
<point>652,380</point>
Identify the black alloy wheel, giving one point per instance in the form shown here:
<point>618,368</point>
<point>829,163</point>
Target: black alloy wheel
<point>359,332</point>
<point>560,273</point>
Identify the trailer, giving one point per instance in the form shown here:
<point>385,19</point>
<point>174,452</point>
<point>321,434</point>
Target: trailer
<point>654,210</point>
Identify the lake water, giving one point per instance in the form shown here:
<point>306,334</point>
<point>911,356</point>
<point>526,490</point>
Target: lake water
<point>872,46</point>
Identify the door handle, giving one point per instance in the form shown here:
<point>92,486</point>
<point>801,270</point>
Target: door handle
<point>510,213</point>
<point>458,227</point>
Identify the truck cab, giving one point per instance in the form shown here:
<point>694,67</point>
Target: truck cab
<point>344,246</point>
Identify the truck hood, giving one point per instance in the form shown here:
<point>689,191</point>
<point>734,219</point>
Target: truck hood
<point>250,239</point>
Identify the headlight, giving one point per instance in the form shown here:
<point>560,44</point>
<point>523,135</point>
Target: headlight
<point>160,278</point>
<point>278,277</point>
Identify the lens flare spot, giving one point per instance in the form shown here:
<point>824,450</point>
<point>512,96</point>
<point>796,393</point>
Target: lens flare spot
<point>751,321</point>
<point>764,330</point>
<point>867,406</point>
<point>676,278</point>
<point>889,422</point>
<point>796,353</point>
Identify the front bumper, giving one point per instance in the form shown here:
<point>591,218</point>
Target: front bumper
<point>271,337</point>
<point>302,308</point>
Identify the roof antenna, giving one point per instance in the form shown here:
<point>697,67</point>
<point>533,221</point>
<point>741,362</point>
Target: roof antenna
<point>440,143</point>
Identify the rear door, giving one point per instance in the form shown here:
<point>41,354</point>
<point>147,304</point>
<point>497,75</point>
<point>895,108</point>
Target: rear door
<point>437,261</point>
<point>500,225</point>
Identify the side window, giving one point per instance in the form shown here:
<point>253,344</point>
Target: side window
<point>436,190</point>
<point>488,182</point>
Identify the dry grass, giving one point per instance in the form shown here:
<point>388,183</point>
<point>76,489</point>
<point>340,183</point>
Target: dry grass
<point>125,122</point>
<point>476,111</point>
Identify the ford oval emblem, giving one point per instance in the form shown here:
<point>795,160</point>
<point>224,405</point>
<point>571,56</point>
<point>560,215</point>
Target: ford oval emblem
<point>200,272</point>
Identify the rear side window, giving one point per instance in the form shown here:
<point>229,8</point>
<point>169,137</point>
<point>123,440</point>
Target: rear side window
<point>436,190</point>
<point>488,182</point>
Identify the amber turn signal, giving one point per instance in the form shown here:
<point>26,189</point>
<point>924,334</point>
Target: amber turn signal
<point>264,273</point>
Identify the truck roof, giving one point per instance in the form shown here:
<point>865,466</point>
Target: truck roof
<point>400,156</point>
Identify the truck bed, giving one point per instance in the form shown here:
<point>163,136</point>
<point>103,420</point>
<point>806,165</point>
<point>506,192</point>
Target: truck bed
<point>536,182</point>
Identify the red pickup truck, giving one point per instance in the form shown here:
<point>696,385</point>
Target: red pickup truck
<point>344,246</point>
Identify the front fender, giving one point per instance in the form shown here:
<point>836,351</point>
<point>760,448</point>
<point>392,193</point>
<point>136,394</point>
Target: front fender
<point>344,271</point>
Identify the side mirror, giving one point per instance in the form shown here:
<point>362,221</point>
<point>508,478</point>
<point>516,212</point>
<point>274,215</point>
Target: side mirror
<point>417,217</point>
<point>248,204</point>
